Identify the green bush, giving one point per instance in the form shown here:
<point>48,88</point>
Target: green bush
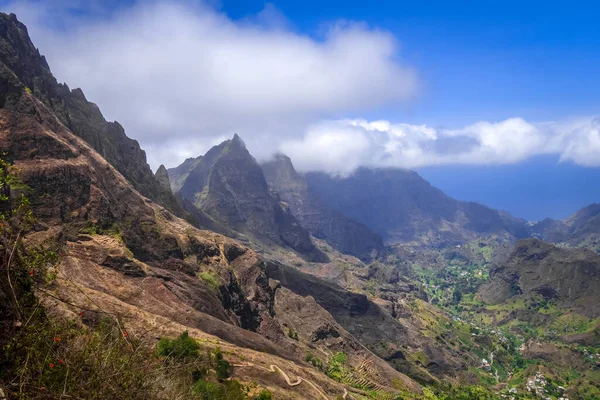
<point>180,348</point>
<point>336,366</point>
<point>310,358</point>
<point>292,334</point>
<point>211,279</point>
<point>265,395</point>
<point>222,367</point>
<point>339,357</point>
<point>229,390</point>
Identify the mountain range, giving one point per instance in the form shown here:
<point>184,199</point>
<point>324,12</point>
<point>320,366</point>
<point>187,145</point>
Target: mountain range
<point>290,274</point>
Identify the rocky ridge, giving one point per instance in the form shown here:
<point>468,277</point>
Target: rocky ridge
<point>341,232</point>
<point>228,186</point>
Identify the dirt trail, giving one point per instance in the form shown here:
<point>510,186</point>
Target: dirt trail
<point>288,380</point>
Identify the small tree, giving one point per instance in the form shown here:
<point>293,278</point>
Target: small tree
<point>265,395</point>
<point>180,348</point>
<point>222,366</point>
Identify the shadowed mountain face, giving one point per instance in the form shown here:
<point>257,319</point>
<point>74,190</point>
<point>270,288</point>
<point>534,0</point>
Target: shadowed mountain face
<point>404,208</point>
<point>342,233</point>
<point>570,277</point>
<point>227,186</point>
<point>583,227</point>
<point>82,117</point>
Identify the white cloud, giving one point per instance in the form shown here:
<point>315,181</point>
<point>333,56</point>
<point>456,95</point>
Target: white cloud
<point>339,147</point>
<point>182,77</point>
<point>177,75</point>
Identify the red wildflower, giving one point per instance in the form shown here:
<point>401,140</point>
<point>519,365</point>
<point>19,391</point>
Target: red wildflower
<point>125,333</point>
<point>60,361</point>
<point>51,365</point>
<point>57,339</point>
<point>31,273</point>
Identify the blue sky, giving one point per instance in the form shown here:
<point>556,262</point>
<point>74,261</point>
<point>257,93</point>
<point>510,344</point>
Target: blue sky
<point>480,60</point>
<point>488,60</point>
<point>483,98</point>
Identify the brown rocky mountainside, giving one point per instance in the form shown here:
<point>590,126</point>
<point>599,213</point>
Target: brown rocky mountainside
<point>342,233</point>
<point>125,255</point>
<point>402,207</point>
<point>80,116</point>
<point>569,277</point>
<point>227,186</point>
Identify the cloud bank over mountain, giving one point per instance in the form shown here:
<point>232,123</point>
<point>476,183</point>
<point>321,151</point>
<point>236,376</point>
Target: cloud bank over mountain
<point>181,77</point>
<point>341,146</point>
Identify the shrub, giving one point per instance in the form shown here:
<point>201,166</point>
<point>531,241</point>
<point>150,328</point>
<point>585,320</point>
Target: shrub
<point>265,395</point>
<point>222,366</point>
<point>180,348</point>
<point>310,358</point>
<point>210,279</point>
<point>339,357</point>
<point>292,334</point>
<point>229,390</point>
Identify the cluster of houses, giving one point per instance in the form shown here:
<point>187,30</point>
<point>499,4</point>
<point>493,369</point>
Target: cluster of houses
<point>537,385</point>
<point>592,356</point>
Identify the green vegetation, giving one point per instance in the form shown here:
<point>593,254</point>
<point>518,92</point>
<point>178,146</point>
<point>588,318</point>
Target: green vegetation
<point>316,362</point>
<point>230,390</point>
<point>336,368</point>
<point>222,366</point>
<point>113,230</point>
<point>292,334</point>
<point>211,279</point>
<point>181,348</point>
<point>265,395</point>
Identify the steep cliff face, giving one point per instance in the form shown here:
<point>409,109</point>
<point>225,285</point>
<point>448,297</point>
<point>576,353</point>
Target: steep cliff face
<point>229,187</point>
<point>342,233</point>
<point>80,116</point>
<point>404,208</point>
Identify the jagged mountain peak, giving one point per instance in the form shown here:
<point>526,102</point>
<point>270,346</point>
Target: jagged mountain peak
<point>228,187</point>
<point>162,176</point>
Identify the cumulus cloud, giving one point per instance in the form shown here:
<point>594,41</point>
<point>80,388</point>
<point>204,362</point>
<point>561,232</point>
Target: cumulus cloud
<point>181,76</point>
<point>339,147</point>
<point>178,75</point>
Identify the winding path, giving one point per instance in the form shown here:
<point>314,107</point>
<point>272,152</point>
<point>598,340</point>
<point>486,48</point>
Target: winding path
<point>492,362</point>
<point>288,380</point>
